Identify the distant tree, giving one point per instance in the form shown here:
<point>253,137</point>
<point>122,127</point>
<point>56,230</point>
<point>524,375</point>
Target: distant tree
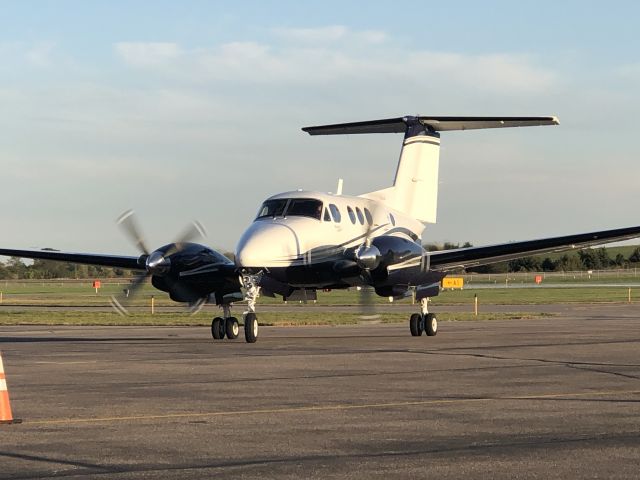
<point>4,273</point>
<point>435,247</point>
<point>620,260</point>
<point>594,259</point>
<point>49,269</point>
<point>635,256</point>
<point>525,264</point>
<point>432,247</point>
<point>548,265</point>
<point>568,263</point>
<point>16,268</point>
<point>501,267</point>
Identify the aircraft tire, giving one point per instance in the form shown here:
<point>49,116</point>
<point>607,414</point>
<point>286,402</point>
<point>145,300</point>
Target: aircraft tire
<point>415,325</point>
<point>217,328</point>
<point>232,327</point>
<point>430,324</point>
<point>250,327</point>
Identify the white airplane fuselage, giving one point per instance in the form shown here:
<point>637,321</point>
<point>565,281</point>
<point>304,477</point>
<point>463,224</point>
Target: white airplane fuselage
<point>311,229</point>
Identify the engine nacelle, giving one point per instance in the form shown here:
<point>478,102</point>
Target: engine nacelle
<point>396,249</point>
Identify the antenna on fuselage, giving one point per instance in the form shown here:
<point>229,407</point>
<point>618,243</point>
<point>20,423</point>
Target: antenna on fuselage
<point>339,189</point>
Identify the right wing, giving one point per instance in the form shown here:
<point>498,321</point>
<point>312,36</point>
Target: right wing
<point>445,260</point>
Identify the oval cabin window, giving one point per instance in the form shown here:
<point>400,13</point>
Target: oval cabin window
<point>352,215</point>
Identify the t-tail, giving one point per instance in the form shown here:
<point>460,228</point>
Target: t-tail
<point>415,186</point>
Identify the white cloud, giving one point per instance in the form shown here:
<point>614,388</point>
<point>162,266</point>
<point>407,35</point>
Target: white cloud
<point>329,34</point>
<point>40,55</point>
<point>318,61</point>
<point>147,54</point>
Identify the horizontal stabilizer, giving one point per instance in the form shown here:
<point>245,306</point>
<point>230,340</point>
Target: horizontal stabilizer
<point>438,124</point>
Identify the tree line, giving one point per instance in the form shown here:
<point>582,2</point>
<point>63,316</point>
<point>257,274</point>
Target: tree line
<point>15,268</point>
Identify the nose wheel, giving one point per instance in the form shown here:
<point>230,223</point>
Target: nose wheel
<point>250,327</point>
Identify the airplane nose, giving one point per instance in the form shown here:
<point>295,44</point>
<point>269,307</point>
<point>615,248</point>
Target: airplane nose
<point>267,245</point>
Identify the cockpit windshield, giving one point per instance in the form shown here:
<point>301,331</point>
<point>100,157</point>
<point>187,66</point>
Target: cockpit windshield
<point>301,207</point>
<point>272,208</point>
<point>305,207</point>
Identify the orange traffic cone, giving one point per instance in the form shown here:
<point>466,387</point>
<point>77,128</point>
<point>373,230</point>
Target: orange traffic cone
<point>5,406</point>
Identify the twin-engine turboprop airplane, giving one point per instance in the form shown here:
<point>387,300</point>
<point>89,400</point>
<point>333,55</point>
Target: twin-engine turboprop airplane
<point>301,241</point>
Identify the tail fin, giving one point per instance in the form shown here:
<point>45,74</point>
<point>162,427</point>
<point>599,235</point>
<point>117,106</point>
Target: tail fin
<point>415,187</point>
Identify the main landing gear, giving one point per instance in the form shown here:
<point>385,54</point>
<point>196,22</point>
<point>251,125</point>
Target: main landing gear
<point>423,321</point>
<point>228,326</point>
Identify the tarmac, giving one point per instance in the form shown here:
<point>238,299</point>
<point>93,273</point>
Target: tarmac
<point>555,397</point>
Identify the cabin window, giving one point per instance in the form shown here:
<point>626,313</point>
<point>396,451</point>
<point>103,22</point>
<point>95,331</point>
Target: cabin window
<point>335,212</point>
<point>367,214</point>
<point>327,217</point>
<point>360,217</point>
<point>352,215</point>
<point>392,219</point>
<point>272,208</point>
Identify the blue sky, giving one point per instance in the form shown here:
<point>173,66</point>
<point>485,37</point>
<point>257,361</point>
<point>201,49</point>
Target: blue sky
<point>186,110</point>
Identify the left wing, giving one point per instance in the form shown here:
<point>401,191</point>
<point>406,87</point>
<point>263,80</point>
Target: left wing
<point>473,256</point>
<point>83,258</point>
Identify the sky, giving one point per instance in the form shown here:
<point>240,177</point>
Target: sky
<point>192,110</point>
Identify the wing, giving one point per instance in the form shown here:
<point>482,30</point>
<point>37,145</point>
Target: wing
<point>84,258</point>
<point>470,257</point>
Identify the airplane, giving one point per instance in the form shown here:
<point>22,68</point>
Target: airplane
<point>302,241</point>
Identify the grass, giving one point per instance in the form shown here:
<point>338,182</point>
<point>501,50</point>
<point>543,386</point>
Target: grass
<point>81,294</point>
<point>537,295</point>
<point>266,318</point>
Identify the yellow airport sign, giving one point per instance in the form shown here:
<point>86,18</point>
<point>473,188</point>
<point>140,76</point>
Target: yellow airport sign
<point>453,282</point>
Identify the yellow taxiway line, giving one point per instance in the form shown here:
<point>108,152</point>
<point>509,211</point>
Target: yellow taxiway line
<point>323,408</point>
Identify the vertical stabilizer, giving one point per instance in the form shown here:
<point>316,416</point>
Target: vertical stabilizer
<point>415,187</point>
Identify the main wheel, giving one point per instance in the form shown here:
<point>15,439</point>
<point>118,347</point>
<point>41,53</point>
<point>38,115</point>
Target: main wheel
<point>415,324</point>
<point>430,324</point>
<point>233,328</point>
<point>250,327</point>
<point>217,328</point>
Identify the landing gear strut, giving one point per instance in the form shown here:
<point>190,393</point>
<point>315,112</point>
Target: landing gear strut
<point>251,291</point>
<point>423,321</point>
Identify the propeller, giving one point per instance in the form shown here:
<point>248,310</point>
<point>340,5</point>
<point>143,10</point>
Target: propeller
<point>368,258</point>
<point>156,263</point>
